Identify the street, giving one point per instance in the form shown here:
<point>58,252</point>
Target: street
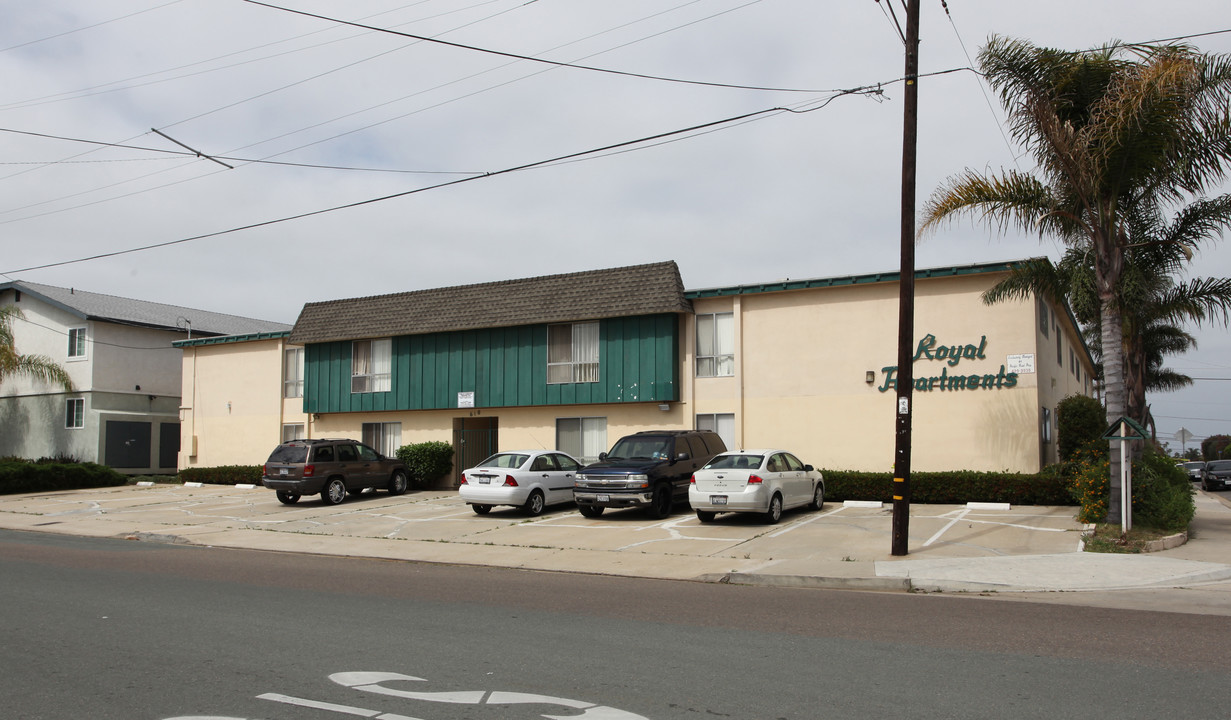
<point>101,628</point>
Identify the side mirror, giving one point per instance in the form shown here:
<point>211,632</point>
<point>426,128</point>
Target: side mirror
<point>808,468</point>
<point>680,457</point>
<point>602,456</point>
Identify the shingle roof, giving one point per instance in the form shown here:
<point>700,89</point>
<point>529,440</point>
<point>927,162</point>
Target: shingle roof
<point>109,308</point>
<point>592,295</point>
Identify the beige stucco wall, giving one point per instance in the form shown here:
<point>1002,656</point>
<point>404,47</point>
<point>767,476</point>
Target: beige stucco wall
<point>232,403</point>
<point>802,358</point>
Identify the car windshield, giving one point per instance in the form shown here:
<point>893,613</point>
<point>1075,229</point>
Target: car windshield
<point>735,462</point>
<point>504,460</point>
<point>641,448</point>
<point>1194,465</point>
<point>1218,465</point>
<point>289,454</point>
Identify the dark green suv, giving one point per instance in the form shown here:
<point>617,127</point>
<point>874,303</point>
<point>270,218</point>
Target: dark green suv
<point>331,467</point>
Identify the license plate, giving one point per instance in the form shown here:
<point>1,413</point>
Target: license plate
<point>718,499</point>
<point>282,471</point>
<point>604,498</point>
<point>484,480</point>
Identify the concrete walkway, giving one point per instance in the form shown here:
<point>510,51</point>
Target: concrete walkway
<point>1020,552</point>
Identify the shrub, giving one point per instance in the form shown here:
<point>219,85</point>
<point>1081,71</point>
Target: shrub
<point>23,476</point>
<point>224,474</point>
<point>427,461</point>
<point>1079,420</point>
<point>958,486</point>
<point>1162,493</point>
<point>1087,474</point>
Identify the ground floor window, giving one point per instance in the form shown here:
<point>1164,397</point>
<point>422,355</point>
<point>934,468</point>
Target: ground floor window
<point>721,423</point>
<point>1046,434</point>
<point>292,431</point>
<point>74,413</point>
<point>385,438</point>
<point>582,437</point>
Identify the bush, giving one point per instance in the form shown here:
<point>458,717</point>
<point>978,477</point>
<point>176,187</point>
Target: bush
<point>947,488</point>
<point>427,461</point>
<point>1162,493</point>
<point>224,475</point>
<point>1079,420</point>
<point>21,476</point>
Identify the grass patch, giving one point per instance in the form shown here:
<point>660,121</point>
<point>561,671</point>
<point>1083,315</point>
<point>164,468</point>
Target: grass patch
<point>1112,539</point>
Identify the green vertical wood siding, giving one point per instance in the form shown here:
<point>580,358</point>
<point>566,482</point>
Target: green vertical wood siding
<point>503,367</point>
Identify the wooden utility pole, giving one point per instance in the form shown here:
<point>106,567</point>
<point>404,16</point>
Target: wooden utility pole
<point>906,289</point>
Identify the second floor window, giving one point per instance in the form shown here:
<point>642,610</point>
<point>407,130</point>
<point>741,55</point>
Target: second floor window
<point>370,363</point>
<point>716,345</point>
<point>292,373</point>
<point>572,353</point>
<point>76,342</point>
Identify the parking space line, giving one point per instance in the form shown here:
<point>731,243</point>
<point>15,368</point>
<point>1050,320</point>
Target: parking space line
<point>941,531</point>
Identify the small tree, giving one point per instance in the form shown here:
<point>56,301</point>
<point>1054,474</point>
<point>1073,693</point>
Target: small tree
<point>1080,421</point>
<point>1215,447</point>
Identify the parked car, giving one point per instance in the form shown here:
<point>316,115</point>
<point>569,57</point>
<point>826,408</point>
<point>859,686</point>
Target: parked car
<point>757,481</point>
<point>528,479</point>
<point>1195,469</point>
<point>1217,475</point>
<point>648,469</point>
<point>332,467</point>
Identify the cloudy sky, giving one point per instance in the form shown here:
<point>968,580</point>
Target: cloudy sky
<point>312,115</point>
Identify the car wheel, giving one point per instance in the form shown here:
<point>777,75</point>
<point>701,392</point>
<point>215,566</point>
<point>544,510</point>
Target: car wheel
<point>534,504</point>
<point>287,498</point>
<point>334,492</point>
<point>590,511</point>
<point>774,514</point>
<point>481,509</point>
<point>398,483</point>
<point>818,498</point>
<point>660,503</point>
<point>706,516</point>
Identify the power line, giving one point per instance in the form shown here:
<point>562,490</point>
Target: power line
<point>88,27</point>
<point>530,58</point>
<point>384,198</point>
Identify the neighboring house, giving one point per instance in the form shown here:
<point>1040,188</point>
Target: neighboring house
<point>124,410</point>
<point>575,361</point>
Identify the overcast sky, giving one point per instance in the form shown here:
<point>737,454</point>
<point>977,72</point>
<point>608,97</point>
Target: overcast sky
<point>356,115</point>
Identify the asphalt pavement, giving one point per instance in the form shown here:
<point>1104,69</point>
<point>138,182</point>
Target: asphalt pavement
<point>1019,552</point>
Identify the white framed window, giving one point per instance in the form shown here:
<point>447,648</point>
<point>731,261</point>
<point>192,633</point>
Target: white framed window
<point>721,423</point>
<point>292,373</point>
<point>370,364</point>
<point>582,437</point>
<point>384,438</point>
<point>1046,434</point>
<point>76,343</point>
<point>292,431</point>
<point>572,353</point>
<point>74,413</point>
<point>716,345</point>
<point>1044,317</point>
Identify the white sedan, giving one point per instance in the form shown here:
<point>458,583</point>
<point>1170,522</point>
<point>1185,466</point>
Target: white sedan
<point>528,479</point>
<point>758,481</point>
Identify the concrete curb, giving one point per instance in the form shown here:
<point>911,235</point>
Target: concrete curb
<point>805,581</point>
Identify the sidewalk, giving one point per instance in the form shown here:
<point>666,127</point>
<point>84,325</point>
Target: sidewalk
<point>1021,552</point>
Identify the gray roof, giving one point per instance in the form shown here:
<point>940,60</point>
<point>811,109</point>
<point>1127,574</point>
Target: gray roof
<point>141,313</point>
<point>592,295</point>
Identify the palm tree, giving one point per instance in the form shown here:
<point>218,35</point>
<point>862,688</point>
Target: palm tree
<point>1152,305</point>
<point>35,367</point>
<point>1116,132</point>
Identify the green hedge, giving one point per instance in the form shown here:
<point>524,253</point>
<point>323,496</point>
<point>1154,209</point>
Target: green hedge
<point>427,461</point>
<point>948,488</point>
<point>224,475</point>
<point>17,476</point>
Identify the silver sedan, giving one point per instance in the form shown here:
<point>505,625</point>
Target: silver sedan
<point>757,481</point>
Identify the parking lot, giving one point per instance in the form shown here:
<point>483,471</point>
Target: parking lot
<point>436,526</point>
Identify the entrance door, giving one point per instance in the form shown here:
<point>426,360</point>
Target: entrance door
<point>128,444</point>
<point>474,440</point>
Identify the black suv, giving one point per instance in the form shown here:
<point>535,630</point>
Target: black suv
<point>331,467</point>
<point>648,469</point>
